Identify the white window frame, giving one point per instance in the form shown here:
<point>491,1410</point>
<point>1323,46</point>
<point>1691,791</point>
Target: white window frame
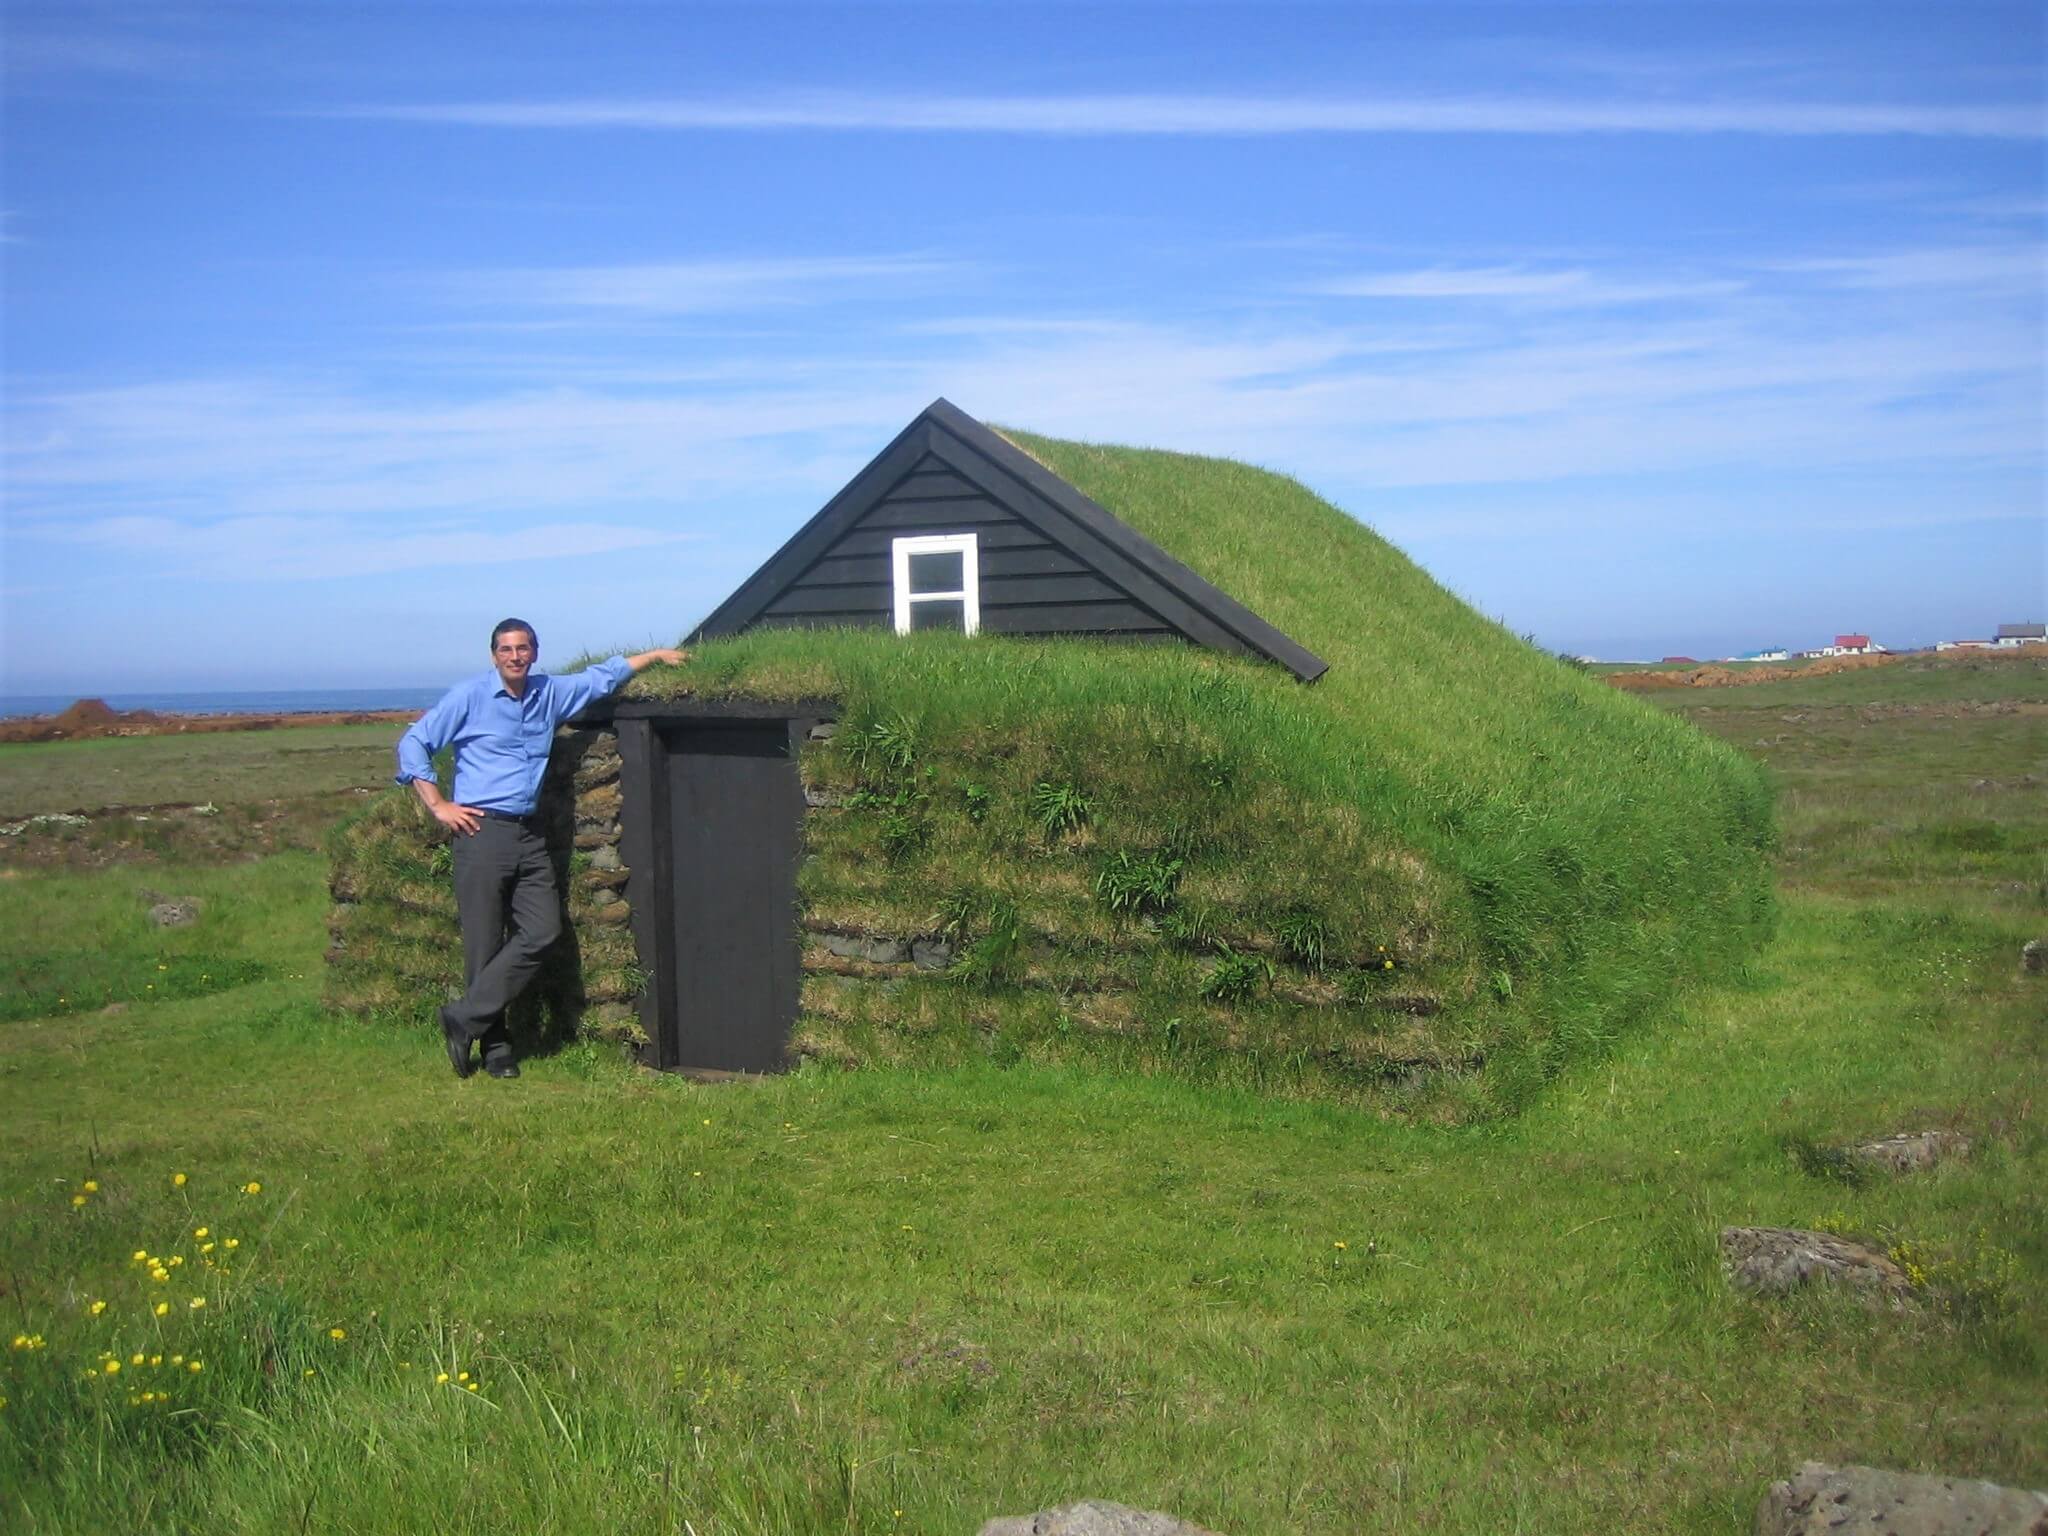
<point>969,596</point>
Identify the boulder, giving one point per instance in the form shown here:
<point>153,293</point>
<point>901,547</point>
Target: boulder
<point>1093,1517</point>
<point>1775,1261</point>
<point>931,954</point>
<point>2034,957</point>
<point>175,914</point>
<point>1910,1151</point>
<point>1867,1499</point>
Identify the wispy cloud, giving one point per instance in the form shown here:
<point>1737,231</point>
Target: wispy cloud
<point>277,548</point>
<point>1568,286</point>
<point>691,287</point>
<point>2020,267</point>
<point>1227,115</point>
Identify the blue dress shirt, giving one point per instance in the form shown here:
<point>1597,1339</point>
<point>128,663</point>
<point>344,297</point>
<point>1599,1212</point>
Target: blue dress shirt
<point>502,743</point>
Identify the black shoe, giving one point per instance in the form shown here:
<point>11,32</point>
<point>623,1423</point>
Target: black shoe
<point>503,1066</point>
<point>458,1045</point>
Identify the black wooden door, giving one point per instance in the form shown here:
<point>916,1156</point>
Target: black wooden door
<point>735,817</point>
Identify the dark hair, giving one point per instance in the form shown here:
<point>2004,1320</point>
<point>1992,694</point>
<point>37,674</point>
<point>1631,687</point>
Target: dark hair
<point>505,625</point>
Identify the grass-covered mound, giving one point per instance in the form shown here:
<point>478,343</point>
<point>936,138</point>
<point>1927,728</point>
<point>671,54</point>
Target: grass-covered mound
<point>1442,872</point>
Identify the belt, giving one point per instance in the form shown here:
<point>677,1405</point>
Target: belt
<point>531,821</point>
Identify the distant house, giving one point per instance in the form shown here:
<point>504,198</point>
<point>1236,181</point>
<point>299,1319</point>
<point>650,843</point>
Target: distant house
<point>1769,653</point>
<point>1848,645</point>
<point>1965,645</point>
<point>2021,634</point>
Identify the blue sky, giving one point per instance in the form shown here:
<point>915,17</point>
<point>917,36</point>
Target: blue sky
<point>334,333</point>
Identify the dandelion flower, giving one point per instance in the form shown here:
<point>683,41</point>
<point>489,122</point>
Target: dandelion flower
<point>441,1380</point>
<point>155,1361</point>
<point>137,1359</point>
<point>97,1308</point>
<point>1343,1245</point>
<point>471,1387</point>
<point>142,1256</point>
<point>178,1181</point>
<point>707,1122</point>
<point>252,1188</point>
<point>462,1375</point>
<point>199,1231</point>
<point>198,1302</point>
<point>231,1243</point>
<point>78,1199</point>
<point>206,1247</point>
<point>159,1274</point>
<point>195,1366</point>
<point>91,1186</point>
<point>1388,966</point>
<point>175,1260</point>
<point>337,1333</point>
<point>163,1309</point>
<point>112,1367</point>
<point>177,1359</point>
<point>312,1370</point>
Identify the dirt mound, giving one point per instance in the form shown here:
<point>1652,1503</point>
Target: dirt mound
<point>1714,676</point>
<point>93,717</point>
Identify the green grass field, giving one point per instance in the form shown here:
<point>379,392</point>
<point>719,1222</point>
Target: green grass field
<point>902,1300</point>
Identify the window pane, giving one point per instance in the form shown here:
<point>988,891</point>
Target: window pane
<point>940,571</point>
<point>942,614</point>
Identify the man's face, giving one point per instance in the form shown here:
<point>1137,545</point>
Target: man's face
<point>513,653</point>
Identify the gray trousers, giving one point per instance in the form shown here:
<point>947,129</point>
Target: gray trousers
<point>511,912</point>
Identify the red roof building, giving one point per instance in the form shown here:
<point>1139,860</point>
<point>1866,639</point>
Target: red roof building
<point>1852,642</point>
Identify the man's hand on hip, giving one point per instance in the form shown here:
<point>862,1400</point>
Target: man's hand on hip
<point>461,818</point>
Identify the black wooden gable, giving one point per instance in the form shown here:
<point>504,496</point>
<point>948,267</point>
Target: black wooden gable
<point>1050,560</point>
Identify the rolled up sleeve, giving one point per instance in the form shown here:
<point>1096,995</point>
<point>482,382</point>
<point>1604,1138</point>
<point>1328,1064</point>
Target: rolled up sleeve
<point>428,735</point>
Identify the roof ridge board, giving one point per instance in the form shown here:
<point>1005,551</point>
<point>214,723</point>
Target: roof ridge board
<point>1245,627</point>
<point>804,547</point>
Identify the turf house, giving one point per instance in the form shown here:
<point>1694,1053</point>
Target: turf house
<point>1026,748</point>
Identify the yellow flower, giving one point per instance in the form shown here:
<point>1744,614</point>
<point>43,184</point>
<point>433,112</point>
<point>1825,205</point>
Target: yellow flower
<point>97,1308</point>
<point>199,1231</point>
<point>159,1274</point>
<point>78,1199</point>
<point>155,1361</point>
<point>337,1333</point>
<point>136,1359</point>
<point>1388,966</point>
<point>312,1371</point>
<point>198,1302</point>
<point>178,1180</point>
<point>162,1308</point>
<point>441,1380</point>
<point>113,1367</point>
<point>462,1375</point>
<point>206,1247</point>
<point>707,1122</point>
<point>142,1256</point>
<point>91,1186</point>
<point>177,1359</point>
<point>696,1173</point>
<point>175,1260</point>
<point>194,1366</point>
<point>1343,1245</point>
<point>252,1188</point>
<point>472,1386</point>
<point>231,1244</point>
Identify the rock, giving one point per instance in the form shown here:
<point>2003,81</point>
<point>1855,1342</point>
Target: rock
<point>605,856</point>
<point>881,951</point>
<point>599,804</point>
<point>613,913</point>
<point>175,914</point>
<point>822,799</point>
<point>824,730</point>
<point>1093,1517</point>
<point>1775,1261</point>
<point>1867,1499</point>
<point>931,954</point>
<point>2034,957</point>
<point>1910,1151</point>
<point>590,842</point>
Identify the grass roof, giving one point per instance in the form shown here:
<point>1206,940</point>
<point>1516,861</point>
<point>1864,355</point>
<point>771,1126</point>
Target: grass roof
<point>1444,871</point>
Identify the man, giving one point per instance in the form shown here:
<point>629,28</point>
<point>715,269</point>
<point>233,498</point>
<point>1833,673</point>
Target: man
<point>502,724</point>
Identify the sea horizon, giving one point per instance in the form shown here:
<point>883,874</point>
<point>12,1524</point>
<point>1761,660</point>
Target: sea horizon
<point>229,701</point>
